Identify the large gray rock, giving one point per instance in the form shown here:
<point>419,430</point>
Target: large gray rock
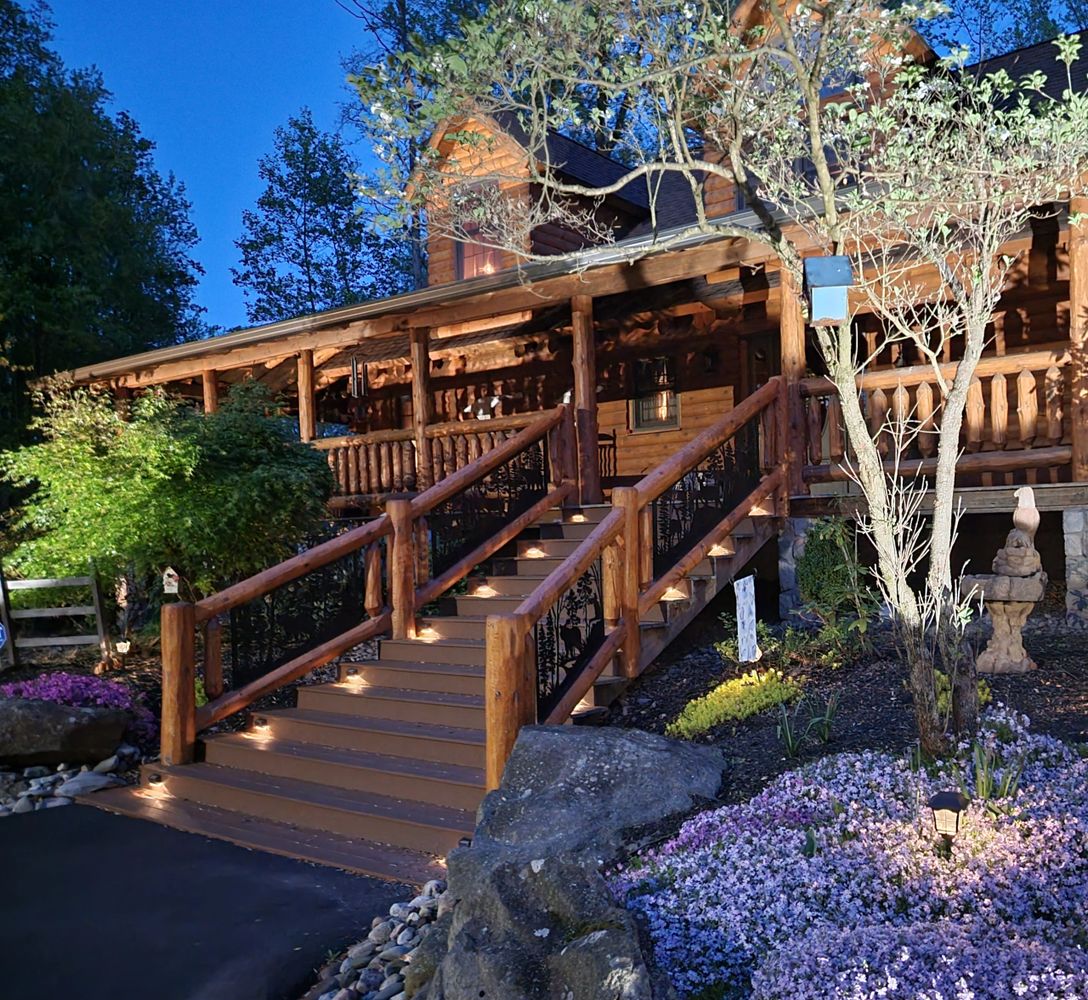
<point>534,919</point>
<point>570,788</point>
<point>40,732</point>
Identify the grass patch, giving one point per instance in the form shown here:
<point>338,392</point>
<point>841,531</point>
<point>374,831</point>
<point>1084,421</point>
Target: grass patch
<point>735,699</point>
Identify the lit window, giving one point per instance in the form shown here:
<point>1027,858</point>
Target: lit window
<point>474,258</point>
<point>656,403</point>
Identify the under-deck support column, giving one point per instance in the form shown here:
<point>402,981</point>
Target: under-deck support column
<point>585,398</point>
<point>307,416</point>
<point>1078,336</point>
<point>792,341</point>
<point>210,384</point>
<point>421,405</point>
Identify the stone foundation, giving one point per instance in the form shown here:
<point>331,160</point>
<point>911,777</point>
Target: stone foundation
<point>1075,525</point>
<point>791,546</point>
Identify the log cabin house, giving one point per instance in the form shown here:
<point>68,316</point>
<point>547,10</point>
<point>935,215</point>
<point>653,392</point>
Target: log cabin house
<point>559,466</point>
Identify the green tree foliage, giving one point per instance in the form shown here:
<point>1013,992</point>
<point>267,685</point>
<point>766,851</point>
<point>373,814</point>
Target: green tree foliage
<point>94,243</point>
<point>306,247</point>
<point>217,497</point>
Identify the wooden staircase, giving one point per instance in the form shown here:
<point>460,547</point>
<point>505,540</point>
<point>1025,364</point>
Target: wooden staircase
<point>381,772</point>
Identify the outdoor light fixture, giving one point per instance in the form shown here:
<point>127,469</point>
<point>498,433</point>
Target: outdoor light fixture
<point>123,646</point>
<point>676,593</point>
<point>828,281</point>
<point>719,551</point>
<point>154,779</point>
<point>535,552</point>
<point>947,809</point>
<point>353,677</point>
<point>427,633</point>
<point>261,725</point>
<point>577,519</point>
<point>483,590</point>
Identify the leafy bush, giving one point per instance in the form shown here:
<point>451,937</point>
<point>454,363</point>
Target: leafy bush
<point>735,699</point>
<point>217,497</point>
<point>84,691</point>
<point>831,883</point>
<point>831,579</point>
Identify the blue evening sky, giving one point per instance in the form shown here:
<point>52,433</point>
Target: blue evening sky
<point>208,81</point>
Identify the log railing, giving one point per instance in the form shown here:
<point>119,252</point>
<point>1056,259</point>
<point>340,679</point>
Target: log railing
<point>386,462</point>
<point>305,612</point>
<point>1016,418</point>
<point>544,657</point>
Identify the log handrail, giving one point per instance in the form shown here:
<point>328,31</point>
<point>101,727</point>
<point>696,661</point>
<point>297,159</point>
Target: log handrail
<point>449,428</point>
<point>373,437</point>
<point>291,569</point>
<point>1004,364</point>
<point>620,540</point>
<point>483,466</point>
<point>670,472</point>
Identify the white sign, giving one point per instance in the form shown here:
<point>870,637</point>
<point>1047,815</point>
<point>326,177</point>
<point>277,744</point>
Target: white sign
<point>170,581</point>
<point>745,590</point>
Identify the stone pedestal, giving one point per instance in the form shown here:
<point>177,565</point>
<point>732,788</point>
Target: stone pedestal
<point>1005,653</point>
<point>1011,592</point>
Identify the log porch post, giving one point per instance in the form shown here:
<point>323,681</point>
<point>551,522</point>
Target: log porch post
<point>421,405</point>
<point>509,690</point>
<point>178,736</point>
<point>1078,337</point>
<point>585,398</point>
<point>210,384</point>
<point>402,569</point>
<point>792,347</point>
<point>307,419</point>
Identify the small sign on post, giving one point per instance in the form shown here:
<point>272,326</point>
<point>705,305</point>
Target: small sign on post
<point>170,581</point>
<point>748,647</point>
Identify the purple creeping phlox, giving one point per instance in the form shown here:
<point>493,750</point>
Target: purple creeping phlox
<point>830,885</point>
<point>84,691</point>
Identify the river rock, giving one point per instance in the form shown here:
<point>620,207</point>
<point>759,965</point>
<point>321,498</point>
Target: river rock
<point>40,732</point>
<point>87,782</point>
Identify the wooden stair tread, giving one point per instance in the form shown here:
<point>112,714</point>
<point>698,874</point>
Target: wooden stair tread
<point>394,766</point>
<point>418,666</point>
<point>402,694</point>
<point>420,730</point>
<point>326,796</point>
<point>438,644</point>
<point>363,857</point>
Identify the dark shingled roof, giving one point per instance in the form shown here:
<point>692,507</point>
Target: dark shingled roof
<point>1041,57</point>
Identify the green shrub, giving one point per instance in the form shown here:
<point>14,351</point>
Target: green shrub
<point>831,579</point>
<point>217,497</point>
<point>735,699</point>
<point>944,694</point>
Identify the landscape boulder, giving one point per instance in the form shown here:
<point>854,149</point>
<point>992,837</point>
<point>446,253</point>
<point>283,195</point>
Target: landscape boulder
<point>534,919</point>
<point>42,732</point>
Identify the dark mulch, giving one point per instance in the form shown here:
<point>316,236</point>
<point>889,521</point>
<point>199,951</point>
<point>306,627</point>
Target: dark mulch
<point>874,703</point>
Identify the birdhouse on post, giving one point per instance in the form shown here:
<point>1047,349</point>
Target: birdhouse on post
<point>828,281</point>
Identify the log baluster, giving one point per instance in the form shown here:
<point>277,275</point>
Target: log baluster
<point>999,419</point>
<point>372,598</point>
<point>1027,409</point>
<point>374,469</point>
<point>213,658</point>
<point>835,437</point>
<point>1052,395</point>
<point>626,498</point>
<point>352,456</point>
<point>975,415</point>
<point>398,466</point>
<point>901,412</point>
<point>878,419</point>
<point>927,425</point>
<point>815,430</point>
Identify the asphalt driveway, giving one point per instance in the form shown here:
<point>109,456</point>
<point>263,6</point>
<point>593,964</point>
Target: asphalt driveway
<point>104,907</point>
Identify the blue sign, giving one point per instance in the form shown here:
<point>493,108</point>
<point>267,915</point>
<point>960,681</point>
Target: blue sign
<point>3,635</point>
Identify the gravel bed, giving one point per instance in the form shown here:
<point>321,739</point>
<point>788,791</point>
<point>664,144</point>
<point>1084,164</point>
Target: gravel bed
<point>41,787</point>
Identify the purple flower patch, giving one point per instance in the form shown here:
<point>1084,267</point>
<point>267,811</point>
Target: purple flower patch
<point>85,691</point>
<point>831,883</point>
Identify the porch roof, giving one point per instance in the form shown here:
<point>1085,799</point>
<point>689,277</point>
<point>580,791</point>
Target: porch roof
<point>393,316</point>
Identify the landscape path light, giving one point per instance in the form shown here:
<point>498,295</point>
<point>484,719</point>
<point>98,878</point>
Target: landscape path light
<point>948,809</point>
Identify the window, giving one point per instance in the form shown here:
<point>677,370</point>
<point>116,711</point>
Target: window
<point>473,258</point>
<point>656,403</point>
